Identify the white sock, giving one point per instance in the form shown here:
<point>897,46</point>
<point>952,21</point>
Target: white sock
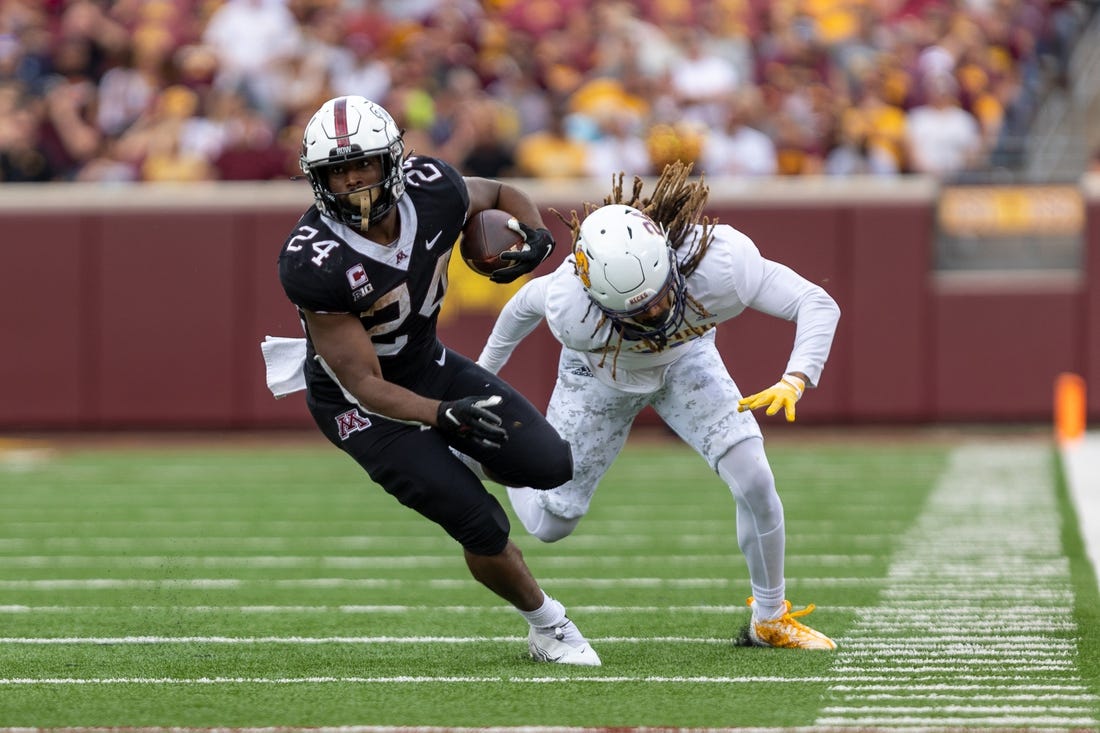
<point>770,607</point>
<point>550,617</point>
<point>550,613</point>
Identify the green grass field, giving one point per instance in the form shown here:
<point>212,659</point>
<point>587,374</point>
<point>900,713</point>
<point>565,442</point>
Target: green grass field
<point>225,587</point>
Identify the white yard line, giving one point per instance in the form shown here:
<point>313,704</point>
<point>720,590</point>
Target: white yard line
<point>608,532</point>
<point>981,565</point>
<point>451,559</point>
<point>1038,650</point>
<point>448,583</point>
<point>174,544</point>
<point>425,679</point>
<point>18,609</point>
<point>429,729</point>
<point>315,640</point>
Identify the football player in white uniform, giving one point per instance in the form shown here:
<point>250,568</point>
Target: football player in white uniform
<point>635,308</point>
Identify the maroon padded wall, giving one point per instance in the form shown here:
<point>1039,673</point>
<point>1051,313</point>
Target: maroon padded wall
<point>998,353</point>
<point>167,307</point>
<point>888,314</point>
<point>1090,322</point>
<point>49,320</point>
<point>149,315</point>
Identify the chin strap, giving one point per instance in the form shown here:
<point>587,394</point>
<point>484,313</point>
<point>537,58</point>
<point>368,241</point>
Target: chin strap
<point>364,200</point>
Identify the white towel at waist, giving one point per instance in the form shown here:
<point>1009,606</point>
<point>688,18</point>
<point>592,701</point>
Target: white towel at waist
<point>285,359</point>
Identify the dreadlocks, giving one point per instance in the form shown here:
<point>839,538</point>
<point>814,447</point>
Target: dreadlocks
<point>676,205</point>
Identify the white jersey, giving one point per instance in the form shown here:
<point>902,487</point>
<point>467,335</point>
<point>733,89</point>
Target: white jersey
<point>731,277</point>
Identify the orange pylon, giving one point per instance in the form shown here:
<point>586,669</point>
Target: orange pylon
<point>1069,407</point>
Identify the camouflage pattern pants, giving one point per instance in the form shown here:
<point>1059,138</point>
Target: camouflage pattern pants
<point>698,400</point>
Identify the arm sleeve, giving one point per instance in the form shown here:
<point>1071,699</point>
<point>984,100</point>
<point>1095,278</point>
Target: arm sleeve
<point>519,317</point>
<point>786,294</point>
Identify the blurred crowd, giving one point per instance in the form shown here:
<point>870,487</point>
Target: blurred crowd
<point>191,90</point>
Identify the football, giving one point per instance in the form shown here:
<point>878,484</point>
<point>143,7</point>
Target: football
<point>485,238</point>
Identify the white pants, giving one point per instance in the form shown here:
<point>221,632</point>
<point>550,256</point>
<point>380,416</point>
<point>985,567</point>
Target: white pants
<point>698,400</point>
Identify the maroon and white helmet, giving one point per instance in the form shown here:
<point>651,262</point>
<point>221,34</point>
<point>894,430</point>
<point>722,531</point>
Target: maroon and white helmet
<point>346,129</point>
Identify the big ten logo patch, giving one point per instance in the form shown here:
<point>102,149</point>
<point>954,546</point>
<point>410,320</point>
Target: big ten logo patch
<point>351,422</point>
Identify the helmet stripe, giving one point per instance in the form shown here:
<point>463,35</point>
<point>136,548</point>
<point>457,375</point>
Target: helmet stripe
<point>341,114</point>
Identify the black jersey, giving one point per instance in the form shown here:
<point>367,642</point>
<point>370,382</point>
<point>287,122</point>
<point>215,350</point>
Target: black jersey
<point>396,290</point>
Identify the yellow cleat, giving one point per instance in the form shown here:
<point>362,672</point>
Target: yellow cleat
<point>786,632</point>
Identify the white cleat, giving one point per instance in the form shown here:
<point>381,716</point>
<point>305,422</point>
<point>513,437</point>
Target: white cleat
<point>552,647</point>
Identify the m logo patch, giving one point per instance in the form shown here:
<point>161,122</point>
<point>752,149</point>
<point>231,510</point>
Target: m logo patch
<point>351,422</point>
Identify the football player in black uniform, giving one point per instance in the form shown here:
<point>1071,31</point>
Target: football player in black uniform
<point>366,267</point>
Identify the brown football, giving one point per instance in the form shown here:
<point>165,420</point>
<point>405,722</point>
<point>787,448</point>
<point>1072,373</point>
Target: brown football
<point>485,238</point>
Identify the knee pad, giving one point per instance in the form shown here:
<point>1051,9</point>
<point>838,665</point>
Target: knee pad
<point>558,466</point>
<point>543,465</point>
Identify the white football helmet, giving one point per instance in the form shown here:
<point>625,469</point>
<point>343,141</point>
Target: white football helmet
<point>346,129</point>
<point>626,265</point>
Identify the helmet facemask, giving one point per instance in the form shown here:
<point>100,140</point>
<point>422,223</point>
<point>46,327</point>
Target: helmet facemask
<point>659,331</point>
<point>343,131</point>
<point>363,206</point>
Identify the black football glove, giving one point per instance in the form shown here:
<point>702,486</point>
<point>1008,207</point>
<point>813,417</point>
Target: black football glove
<point>470,419</point>
<point>538,244</point>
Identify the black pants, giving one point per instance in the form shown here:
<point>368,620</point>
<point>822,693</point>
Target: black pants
<point>415,463</point>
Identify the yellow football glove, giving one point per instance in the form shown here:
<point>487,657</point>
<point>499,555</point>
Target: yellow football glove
<point>782,394</point>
